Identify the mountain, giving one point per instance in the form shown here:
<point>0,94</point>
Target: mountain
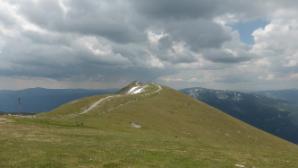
<point>290,95</point>
<point>41,100</point>
<point>143,125</point>
<point>272,115</point>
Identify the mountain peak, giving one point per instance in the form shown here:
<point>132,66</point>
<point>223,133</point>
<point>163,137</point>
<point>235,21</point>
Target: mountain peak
<point>137,87</point>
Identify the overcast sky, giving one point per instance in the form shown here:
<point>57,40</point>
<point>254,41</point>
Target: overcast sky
<point>224,44</point>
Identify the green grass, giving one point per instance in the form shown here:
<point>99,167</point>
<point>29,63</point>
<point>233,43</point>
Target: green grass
<point>177,131</point>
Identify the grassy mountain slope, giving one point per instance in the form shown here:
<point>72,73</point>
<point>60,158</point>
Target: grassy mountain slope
<point>158,127</point>
<point>272,115</point>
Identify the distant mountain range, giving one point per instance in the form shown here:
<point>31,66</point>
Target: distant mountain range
<point>260,109</point>
<point>41,99</point>
<point>290,95</point>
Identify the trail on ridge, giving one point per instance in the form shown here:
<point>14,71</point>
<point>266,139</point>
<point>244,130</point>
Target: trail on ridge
<point>136,90</point>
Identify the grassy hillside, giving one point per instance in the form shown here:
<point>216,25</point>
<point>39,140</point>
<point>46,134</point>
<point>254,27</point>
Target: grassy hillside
<point>159,127</point>
<point>271,115</point>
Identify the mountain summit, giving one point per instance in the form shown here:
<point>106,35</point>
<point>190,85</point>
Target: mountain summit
<point>143,125</point>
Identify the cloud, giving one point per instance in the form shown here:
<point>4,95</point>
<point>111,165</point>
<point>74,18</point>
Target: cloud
<point>168,10</point>
<point>277,42</point>
<point>113,41</point>
<point>225,56</point>
<point>199,34</point>
<point>101,18</point>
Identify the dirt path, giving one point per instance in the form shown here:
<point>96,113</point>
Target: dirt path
<point>159,88</point>
<point>98,103</point>
<point>102,100</point>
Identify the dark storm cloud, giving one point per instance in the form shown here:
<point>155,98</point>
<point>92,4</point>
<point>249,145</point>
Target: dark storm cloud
<point>84,72</point>
<point>176,9</point>
<point>76,65</point>
<point>199,34</point>
<point>193,9</point>
<point>123,24</point>
<point>102,18</point>
<point>222,56</point>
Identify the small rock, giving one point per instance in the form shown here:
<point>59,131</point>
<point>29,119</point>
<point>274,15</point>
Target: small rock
<point>135,125</point>
<point>239,165</point>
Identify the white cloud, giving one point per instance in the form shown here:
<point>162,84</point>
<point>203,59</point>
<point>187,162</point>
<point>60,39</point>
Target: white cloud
<point>154,37</point>
<point>116,41</point>
<point>277,42</point>
<point>226,19</point>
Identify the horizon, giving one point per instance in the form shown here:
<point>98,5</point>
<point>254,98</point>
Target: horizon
<point>118,88</point>
<point>242,45</point>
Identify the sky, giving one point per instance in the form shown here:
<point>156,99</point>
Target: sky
<point>235,44</point>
